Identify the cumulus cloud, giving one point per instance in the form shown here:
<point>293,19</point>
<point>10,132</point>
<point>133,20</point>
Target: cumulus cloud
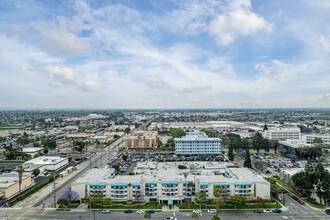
<point>56,38</point>
<point>325,42</point>
<point>62,76</point>
<point>158,84</point>
<point>326,97</point>
<point>193,89</point>
<point>237,19</point>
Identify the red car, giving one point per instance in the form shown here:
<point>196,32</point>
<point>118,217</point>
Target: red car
<point>301,202</point>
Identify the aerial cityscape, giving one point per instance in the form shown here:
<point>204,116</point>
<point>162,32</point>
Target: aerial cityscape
<point>172,109</point>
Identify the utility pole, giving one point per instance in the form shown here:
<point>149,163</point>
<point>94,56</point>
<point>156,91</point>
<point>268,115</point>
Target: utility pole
<point>54,192</point>
<point>90,161</point>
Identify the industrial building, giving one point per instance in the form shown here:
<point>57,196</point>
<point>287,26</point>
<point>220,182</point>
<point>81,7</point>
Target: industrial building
<point>197,143</point>
<point>9,184</point>
<point>165,182</point>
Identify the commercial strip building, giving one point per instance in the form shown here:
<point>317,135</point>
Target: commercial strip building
<point>45,163</point>
<point>197,144</point>
<point>282,134</point>
<point>142,139</point>
<point>9,184</point>
<point>165,183</point>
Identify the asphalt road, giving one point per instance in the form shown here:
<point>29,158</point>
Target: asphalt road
<point>96,161</point>
<point>44,214</point>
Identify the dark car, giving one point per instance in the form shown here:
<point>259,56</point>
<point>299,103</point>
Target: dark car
<point>257,211</point>
<point>277,211</point>
<point>128,211</point>
<point>327,211</point>
<point>295,198</point>
<point>150,211</point>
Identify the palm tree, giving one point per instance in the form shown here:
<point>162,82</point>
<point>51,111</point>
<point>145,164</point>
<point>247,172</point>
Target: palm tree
<point>128,190</point>
<point>20,171</point>
<point>185,174</point>
<point>217,193</point>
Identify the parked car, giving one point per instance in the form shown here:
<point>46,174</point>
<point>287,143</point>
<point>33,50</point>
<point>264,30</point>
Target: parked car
<point>257,211</point>
<point>294,198</point>
<point>197,211</point>
<point>301,202</point>
<point>128,211</point>
<point>267,211</point>
<point>327,211</point>
<point>140,211</point>
<point>105,211</point>
<point>151,211</point>
<point>212,211</point>
<point>277,210</point>
<point>171,218</point>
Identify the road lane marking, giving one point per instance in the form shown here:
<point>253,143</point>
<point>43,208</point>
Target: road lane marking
<point>24,213</point>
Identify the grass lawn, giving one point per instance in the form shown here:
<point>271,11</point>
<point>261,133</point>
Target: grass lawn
<point>10,127</point>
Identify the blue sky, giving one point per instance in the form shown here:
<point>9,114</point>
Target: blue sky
<point>164,54</point>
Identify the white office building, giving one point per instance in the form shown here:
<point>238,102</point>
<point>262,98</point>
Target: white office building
<point>282,134</point>
<point>49,163</point>
<point>197,144</point>
<point>310,138</point>
<point>165,183</point>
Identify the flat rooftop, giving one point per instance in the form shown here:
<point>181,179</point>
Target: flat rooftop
<point>169,172</point>
<point>44,160</point>
<point>9,179</point>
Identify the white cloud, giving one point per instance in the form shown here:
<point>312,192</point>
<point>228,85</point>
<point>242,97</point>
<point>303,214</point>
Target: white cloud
<point>57,38</point>
<point>325,42</point>
<point>237,19</point>
<point>62,76</point>
<point>193,89</point>
<point>158,84</point>
<point>326,97</point>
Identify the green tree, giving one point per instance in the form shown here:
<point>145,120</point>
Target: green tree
<point>124,157</point>
<point>78,146</point>
<point>217,193</point>
<point>36,155</point>
<point>49,143</point>
<point>257,142</point>
<point>247,160</point>
<point>275,145</point>
<point>237,201</point>
<point>36,171</point>
<point>23,140</point>
<point>69,159</point>
<point>215,217</point>
<point>265,127</point>
<point>231,154</point>
<point>147,215</point>
<point>309,178</point>
<point>195,216</point>
<point>245,144</point>
<point>200,198</point>
<point>20,171</point>
<point>225,140</point>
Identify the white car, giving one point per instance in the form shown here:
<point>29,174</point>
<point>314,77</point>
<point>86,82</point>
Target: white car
<point>268,211</point>
<point>212,211</point>
<point>140,211</point>
<point>105,211</point>
<point>197,211</point>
